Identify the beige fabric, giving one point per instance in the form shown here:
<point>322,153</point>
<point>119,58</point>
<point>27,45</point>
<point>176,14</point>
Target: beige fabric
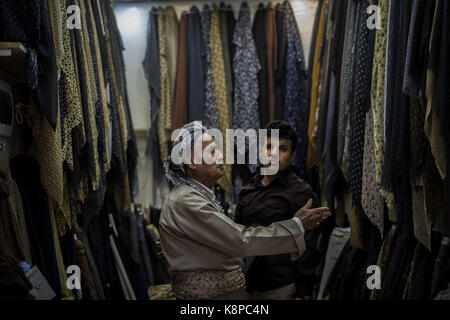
<point>165,110</point>
<point>46,148</point>
<point>218,66</point>
<point>161,292</point>
<point>195,236</point>
<point>371,199</point>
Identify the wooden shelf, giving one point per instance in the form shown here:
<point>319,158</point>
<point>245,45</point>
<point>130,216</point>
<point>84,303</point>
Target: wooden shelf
<point>12,60</point>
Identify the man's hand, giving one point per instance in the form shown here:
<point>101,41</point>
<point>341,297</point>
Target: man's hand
<point>311,218</point>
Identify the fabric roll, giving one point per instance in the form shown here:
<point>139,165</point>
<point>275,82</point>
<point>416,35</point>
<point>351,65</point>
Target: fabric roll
<point>71,112</point>
<point>92,264</point>
<point>371,199</point>
<point>179,108</point>
<point>338,239</point>
<point>272,58</point>
<point>211,119</point>
<point>172,38</point>
<point>150,63</point>
<point>164,116</point>
<point>332,176</point>
<point>145,251</point>
<point>196,66</point>
<point>245,68</point>
<point>432,122</point>
<point>295,87</point>
<point>363,79</point>
<point>321,111</point>
<point>89,289</point>
<point>66,293</point>
<point>259,36</point>
<point>13,246</point>
<point>221,92</point>
<point>124,280</point>
<point>377,91</point>
<point>315,80</point>
<point>280,80</point>
<point>227,59</point>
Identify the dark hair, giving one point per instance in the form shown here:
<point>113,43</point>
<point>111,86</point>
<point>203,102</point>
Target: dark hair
<point>286,131</point>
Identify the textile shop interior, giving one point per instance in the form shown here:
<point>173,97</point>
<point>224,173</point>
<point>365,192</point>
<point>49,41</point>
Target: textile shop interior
<point>90,95</point>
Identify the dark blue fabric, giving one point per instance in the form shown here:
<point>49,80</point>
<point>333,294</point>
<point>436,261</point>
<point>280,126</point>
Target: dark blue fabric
<point>296,74</point>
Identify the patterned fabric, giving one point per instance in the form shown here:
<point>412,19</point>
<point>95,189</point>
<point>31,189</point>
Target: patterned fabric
<point>347,91</point>
<point>70,103</point>
<point>363,80</point>
<point>371,201</point>
<point>377,93</point>
<point>89,108</point>
<point>164,118</point>
<point>221,92</point>
<point>46,148</point>
<point>245,67</point>
<point>150,63</point>
<point>206,284</point>
<point>211,113</point>
<point>316,70</point>
<point>226,59</point>
<point>171,29</point>
<point>100,103</point>
<point>295,87</point>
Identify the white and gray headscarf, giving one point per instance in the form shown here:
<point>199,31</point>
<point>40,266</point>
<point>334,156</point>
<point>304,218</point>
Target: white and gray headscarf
<point>179,154</point>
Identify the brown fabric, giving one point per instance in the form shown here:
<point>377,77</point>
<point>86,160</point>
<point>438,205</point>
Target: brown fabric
<point>179,107</point>
<point>271,41</point>
<point>11,246</point>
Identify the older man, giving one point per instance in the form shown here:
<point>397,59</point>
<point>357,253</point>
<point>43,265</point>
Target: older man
<point>204,248</point>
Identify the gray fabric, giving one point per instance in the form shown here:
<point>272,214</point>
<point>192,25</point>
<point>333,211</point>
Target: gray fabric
<point>338,239</point>
<point>123,277</point>
<point>135,253</point>
<point>145,251</point>
<point>211,111</point>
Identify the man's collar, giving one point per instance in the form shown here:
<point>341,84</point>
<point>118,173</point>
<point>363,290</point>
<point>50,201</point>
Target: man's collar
<point>205,187</point>
<point>282,177</point>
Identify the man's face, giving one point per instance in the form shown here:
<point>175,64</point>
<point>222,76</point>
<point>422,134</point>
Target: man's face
<point>211,168</point>
<point>283,151</point>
